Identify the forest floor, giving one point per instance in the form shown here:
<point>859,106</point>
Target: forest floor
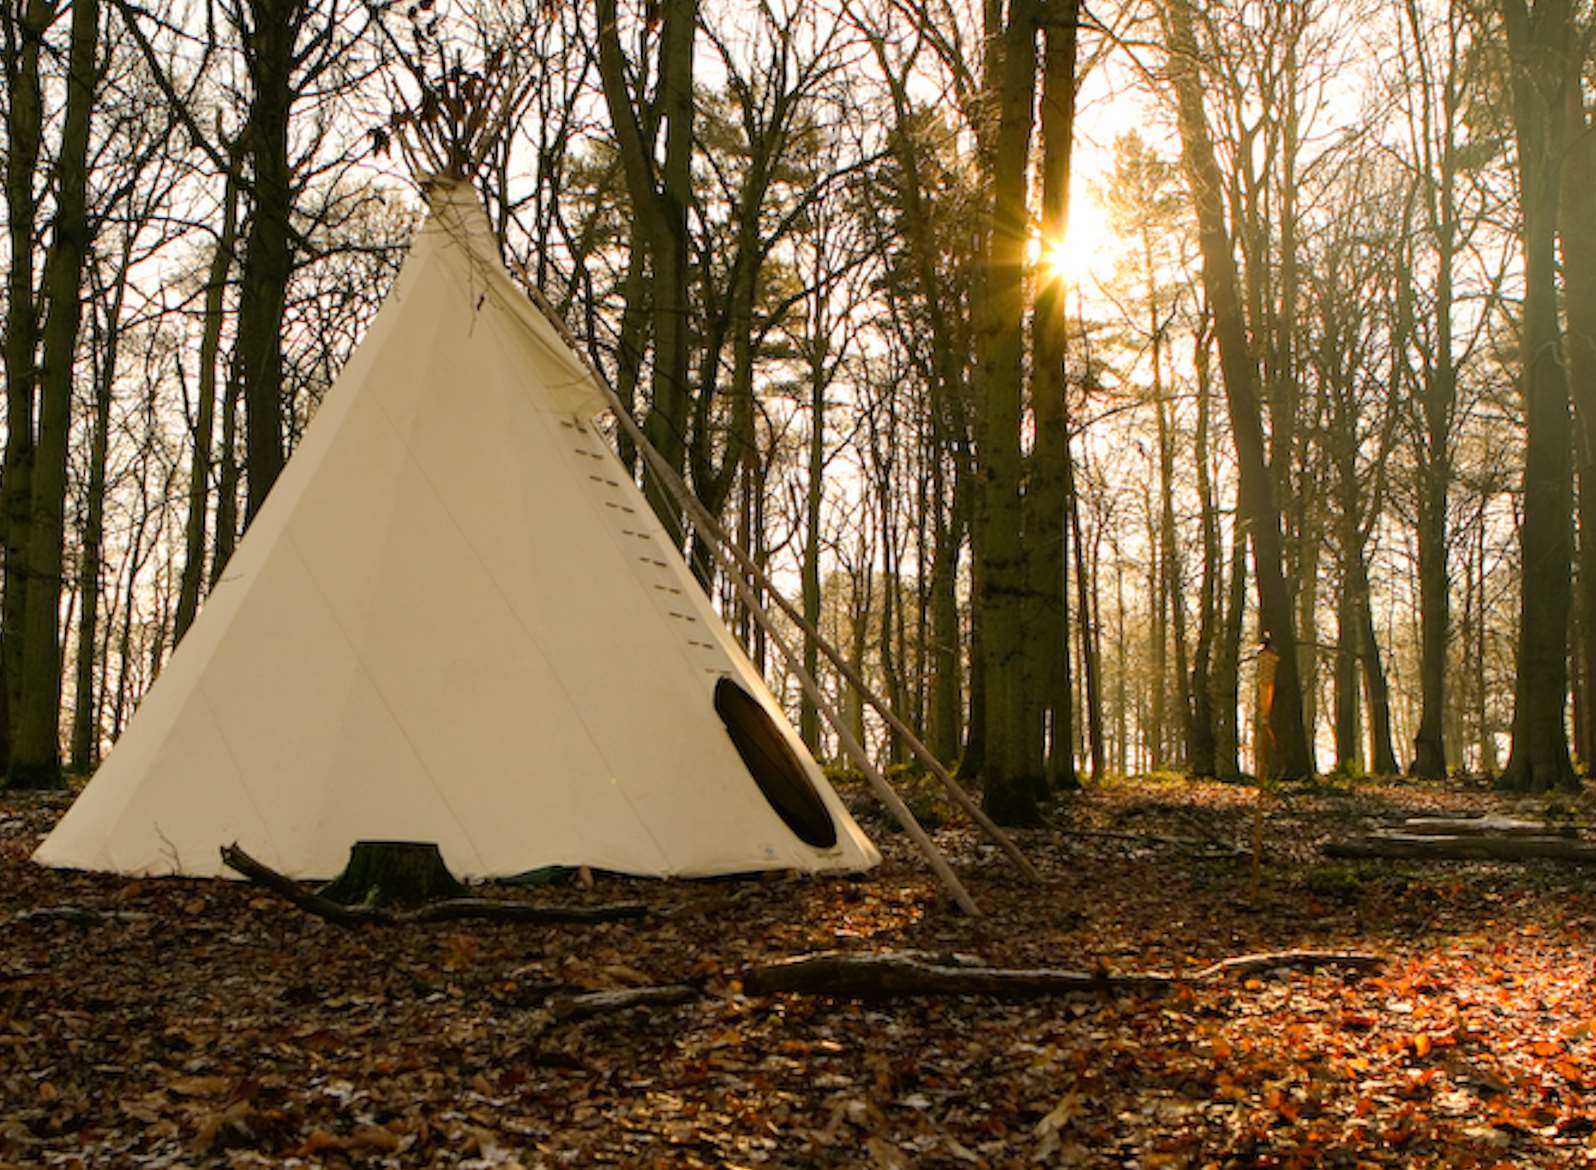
<point>208,1023</point>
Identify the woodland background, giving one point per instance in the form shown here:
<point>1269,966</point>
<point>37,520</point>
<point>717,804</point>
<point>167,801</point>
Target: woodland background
<point>1316,361</point>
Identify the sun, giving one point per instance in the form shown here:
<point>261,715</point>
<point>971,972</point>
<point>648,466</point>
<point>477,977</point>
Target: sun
<point>1090,249</point>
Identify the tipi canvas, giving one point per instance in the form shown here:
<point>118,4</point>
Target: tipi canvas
<point>455,619</point>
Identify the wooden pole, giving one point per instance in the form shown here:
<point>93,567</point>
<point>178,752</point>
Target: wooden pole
<point>854,749</point>
<point>719,544</point>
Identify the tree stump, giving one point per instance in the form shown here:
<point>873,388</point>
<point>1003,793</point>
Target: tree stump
<point>393,873</point>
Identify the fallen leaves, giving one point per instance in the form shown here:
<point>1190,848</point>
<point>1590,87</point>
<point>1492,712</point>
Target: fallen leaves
<point>192,1023</point>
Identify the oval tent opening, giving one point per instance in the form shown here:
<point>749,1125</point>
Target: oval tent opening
<point>774,766</point>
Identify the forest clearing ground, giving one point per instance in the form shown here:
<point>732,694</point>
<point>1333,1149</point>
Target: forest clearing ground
<point>211,1024</point>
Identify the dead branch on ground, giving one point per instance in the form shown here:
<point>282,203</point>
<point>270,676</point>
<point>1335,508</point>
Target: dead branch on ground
<point>448,910</point>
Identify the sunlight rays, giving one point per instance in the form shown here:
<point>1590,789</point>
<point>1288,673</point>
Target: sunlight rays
<point>1090,250</point>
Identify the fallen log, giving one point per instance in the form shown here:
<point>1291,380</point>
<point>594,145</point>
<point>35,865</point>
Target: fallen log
<point>1489,825</point>
<point>1421,847</point>
<point>448,910</point>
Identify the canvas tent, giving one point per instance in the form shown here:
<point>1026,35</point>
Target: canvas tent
<point>456,620</point>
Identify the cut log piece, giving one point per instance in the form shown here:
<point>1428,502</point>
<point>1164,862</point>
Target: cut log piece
<point>1490,825</point>
<point>393,873</point>
<point>1416,847</point>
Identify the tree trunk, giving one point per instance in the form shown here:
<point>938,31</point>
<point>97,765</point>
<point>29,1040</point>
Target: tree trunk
<point>809,570</point>
<point>1013,773</point>
<point>1348,628</point>
<point>1227,671</point>
<point>1376,691</point>
<point>1047,513</point>
<point>199,476</point>
<point>1204,745</point>
<point>85,726</point>
<point>36,747</point>
<point>1168,541</point>
<point>949,432</point>
<point>1438,405</point>
<point>1156,682</point>
<point>1577,230</point>
<point>660,191</point>
<point>227,480</point>
<point>1239,367</point>
<point>1540,41</point>
<point>24,25</point>
<point>943,722</point>
<point>268,248</point>
<point>1121,673</point>
<point>1309,540</point>
<point>1086,621</point>
<point>972,760</point>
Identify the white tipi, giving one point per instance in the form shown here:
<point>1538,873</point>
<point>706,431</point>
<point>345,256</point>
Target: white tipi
<point>455,619</point>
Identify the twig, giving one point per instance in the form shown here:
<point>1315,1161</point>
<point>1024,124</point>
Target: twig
<point>1295,960</point>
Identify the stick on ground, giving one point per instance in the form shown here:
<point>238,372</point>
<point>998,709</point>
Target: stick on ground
<point>893,975</point>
